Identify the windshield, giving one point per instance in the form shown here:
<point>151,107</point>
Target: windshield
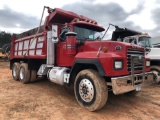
<point>87,33</point>
<point>145,42</point>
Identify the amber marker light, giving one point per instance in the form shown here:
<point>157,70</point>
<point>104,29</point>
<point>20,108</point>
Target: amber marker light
<point>105,49</point>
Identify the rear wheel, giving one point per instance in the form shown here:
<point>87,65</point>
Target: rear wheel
<point>90,90</point>
<point>15,70</point>
<point>24,74</point>
<point>156,73</point>
<point>33,76</point>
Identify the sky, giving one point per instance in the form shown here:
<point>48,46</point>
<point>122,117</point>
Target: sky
<point>17,16</point>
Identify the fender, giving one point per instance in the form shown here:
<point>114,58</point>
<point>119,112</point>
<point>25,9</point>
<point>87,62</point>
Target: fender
<point>91,62</point>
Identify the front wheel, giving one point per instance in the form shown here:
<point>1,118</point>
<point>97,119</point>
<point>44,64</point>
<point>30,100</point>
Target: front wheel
<point>90,89</point>
<point>156,73</point>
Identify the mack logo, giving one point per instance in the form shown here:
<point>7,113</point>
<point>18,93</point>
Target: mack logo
<point>133,46</point>
<point>138,60</point>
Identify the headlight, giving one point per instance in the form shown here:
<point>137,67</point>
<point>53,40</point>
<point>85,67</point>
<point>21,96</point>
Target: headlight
<point>118,64</point>
<point>147,63</point>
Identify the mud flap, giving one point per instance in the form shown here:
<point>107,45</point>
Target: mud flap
<point>138,87</point>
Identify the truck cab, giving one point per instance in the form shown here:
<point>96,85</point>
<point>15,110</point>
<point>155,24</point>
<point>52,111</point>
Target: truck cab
<point>141,40</point>
<point>68,49</point>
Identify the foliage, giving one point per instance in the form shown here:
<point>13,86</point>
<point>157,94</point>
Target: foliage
<point>4,38</point>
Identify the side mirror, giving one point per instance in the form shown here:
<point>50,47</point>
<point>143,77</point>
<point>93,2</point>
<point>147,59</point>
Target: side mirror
<point>54,33</point>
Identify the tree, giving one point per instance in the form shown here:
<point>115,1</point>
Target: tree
<point>4,38</point>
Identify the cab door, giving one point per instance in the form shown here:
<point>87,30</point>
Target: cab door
<point>62,59</point>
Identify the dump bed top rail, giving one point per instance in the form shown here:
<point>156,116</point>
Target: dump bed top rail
<point>29,32</point>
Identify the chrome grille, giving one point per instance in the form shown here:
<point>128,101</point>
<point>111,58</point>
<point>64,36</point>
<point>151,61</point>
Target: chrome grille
<point>137,66</point>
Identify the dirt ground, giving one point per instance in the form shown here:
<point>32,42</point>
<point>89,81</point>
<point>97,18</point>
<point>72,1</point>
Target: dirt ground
<point>44,100</point>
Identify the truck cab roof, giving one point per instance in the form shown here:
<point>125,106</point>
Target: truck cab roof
<point>88,25</point>
<point>58,15</point>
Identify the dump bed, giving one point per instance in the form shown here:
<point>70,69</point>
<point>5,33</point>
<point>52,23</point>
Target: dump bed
<point>30,46</point>
<point>122,33</point>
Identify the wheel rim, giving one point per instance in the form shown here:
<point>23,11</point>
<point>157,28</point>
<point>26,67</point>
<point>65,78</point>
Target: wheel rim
<point>86,90</point>
<point>156,76</point>
<point>21,73</point>
<point>14,71</point>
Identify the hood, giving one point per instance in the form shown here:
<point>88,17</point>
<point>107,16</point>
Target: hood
<point>110,45</point>
<point>153,53</point>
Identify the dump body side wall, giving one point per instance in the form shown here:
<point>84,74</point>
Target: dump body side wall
<point>30,47</point>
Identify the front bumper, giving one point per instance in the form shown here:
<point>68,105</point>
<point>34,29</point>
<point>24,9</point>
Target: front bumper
<point>128,83</point>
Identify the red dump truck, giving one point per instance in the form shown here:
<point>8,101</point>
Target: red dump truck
<point>68,51</point>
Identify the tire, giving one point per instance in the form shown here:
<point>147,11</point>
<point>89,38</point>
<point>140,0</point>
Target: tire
<point>33,76</point>
<point>15,71</point>
<point>156,73</point>
<point>24,75</point>
<point>90,90</point>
